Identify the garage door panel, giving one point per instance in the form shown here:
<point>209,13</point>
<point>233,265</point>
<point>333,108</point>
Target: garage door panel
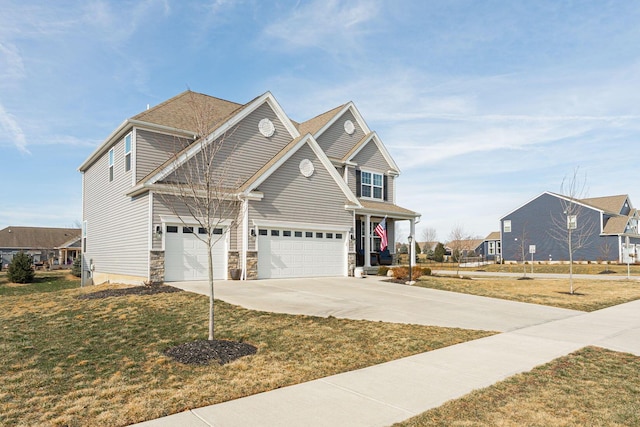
<point>186,257</point>
<point>282,256</point>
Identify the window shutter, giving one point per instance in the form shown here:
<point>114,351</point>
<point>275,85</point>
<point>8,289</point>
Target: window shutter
<point>358,184</point>
<point>384,187</point>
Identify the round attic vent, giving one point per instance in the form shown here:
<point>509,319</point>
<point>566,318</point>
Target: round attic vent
<point>349,127</point>
<point>266,127</point>
<point>306,168</point>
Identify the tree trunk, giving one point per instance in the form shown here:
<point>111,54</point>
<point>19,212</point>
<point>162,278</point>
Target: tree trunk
<point>209,256</point>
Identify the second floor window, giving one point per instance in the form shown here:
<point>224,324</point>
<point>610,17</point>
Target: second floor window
<point>111,165</point>
<point>372,185</point>
<point>127,153</point>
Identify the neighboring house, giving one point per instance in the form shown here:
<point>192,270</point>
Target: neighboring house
<point>490,248</point>
<point>611,221</point>
<point>59,246</point>
<point>312,194</point>
<point>426,247</point>
<point>466,247</point>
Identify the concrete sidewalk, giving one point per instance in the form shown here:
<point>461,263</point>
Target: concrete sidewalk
<point>391,392</point>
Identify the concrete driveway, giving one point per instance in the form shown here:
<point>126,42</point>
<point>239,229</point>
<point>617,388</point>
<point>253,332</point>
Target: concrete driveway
<point>374,299</point>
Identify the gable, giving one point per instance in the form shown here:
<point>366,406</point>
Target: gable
<point>288,195</point>
<point>244,149</point>
<point>370,157</point>
<point>335,141</point>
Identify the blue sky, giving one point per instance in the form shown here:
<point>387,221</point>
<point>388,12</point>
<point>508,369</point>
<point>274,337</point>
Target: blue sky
<point>483,104</point>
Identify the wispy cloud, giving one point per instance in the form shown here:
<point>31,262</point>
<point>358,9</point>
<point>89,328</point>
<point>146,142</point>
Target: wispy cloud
<point>13,132</point>
<point>330,25</point>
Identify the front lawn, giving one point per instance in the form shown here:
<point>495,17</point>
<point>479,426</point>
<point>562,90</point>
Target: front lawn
<point>589,295</point>
<point>66,361</point>
<point>45,281</point>
<point>590,387</point>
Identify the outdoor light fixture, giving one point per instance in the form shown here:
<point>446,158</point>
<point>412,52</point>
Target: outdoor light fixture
<point>158,229</point>
<point>253,232</point>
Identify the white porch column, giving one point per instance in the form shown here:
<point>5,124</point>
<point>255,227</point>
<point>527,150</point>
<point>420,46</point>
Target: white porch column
<point>412,246</point>
<point>367,242</point>
<point>245,239</point>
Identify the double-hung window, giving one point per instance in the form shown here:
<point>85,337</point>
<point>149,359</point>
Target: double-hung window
<point>371,185</point>
<point>111,165</point>
<point>127,153</point>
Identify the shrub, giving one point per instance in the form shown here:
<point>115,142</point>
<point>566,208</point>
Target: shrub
<point>382,270</point>
<point>402,273</point>
<point>76,268</point>
<point>21,269</point>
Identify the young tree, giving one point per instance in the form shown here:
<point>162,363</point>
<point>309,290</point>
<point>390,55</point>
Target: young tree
<point>572,228</point>
<point>200,188</point>
<point>457,241</point>
<point>21,269</point>
<point>522,244</point>
<point>605,251</point>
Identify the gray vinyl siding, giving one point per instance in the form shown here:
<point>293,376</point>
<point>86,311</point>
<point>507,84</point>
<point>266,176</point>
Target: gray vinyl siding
<point>335,141</point>
<point>153,149</point>
<point>352,180</point>
<point>535,218</point>
<point>245,149</point>
<point>118,227</point>
<point>171,206</point>
<point>370,158</point>
<point>289,196</point>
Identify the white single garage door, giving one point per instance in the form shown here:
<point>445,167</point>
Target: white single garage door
<point>301,253</point>
<point>185,256</point>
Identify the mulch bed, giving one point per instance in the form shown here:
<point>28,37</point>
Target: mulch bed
<point>136,290</point>
<point>204,351</point>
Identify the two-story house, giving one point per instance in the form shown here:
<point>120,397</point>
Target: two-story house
<point>603,228</point>
<point>311,194</point>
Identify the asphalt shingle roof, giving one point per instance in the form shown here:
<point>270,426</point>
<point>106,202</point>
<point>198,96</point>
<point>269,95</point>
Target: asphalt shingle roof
<point>36,237</point>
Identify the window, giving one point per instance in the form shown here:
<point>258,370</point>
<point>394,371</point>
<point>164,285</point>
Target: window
<point>187,230</point>
<point>127,153</point>
<point>371,185</point>
<point>492,248</point>
<point>286,233</point>
<point>275,232</point>
<point>172,228</point>
<point>308,234</point>
<point>338,235</point>
<point>329,235</point>
<point>318,235</point>
<point>572,222</point>
<point>506,226</point>
<point>262,232</point>
<point>111,165</point>
<point>217,231</point>
<point>298,233</point>
<point>202,230</point>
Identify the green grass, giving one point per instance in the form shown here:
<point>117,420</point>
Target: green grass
<point>590,387</point>
<point>71,362</point>
<point>43,282</point>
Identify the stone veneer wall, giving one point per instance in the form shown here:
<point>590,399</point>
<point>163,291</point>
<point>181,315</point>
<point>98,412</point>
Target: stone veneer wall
<point>352,263</point>
<point>156,267</point>
<point>252,264</point>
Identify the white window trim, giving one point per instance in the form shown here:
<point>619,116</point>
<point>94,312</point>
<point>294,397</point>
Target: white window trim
<point>371,185</point>
<point>128,153</point>
<point>506,226</point>
<point>111,160</point>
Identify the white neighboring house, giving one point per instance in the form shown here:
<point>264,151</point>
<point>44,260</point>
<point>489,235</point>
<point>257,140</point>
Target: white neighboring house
<point>313,193</point>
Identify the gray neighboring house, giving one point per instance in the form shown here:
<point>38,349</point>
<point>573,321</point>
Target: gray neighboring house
<point>491,248</point>
<point>56,246</point>
<point>312,193</point>
<point>614,222</point>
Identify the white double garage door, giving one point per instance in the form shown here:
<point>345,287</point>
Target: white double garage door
<point>282,252</point>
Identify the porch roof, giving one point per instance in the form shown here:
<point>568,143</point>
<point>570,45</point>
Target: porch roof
<point>386,209</point>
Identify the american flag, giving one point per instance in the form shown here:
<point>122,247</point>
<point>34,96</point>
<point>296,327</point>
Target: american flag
<point>381,230</point>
